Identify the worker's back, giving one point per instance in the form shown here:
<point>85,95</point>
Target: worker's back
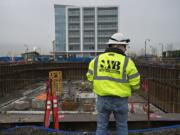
<point>110,75</point>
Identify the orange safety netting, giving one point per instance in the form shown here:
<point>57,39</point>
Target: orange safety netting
<point>42,96</point>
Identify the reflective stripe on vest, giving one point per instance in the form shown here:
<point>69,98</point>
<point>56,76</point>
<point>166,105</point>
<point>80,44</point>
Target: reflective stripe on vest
<point>123,80</point>
<point>133,76</point>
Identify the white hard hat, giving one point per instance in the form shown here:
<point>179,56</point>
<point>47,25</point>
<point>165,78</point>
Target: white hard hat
<point>118,38</point>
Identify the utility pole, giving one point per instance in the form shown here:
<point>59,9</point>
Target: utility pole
<point>162,48</point>
<point>146,45</point>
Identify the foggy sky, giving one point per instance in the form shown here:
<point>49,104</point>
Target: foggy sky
<point>31,23</point>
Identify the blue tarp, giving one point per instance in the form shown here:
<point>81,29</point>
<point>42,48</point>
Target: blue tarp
<point>46,59</point>
<point>7,59</point>
<point>77,59</point>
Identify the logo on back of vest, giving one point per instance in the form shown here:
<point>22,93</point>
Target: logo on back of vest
<point>110,66</point>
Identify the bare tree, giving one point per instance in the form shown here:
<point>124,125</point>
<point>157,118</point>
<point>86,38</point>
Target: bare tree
<point>141,52</point>
<point>133,54</point>
<point>169,47</point>
<point>154,50</point>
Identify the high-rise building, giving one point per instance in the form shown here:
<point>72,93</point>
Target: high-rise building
<point>84,30</point>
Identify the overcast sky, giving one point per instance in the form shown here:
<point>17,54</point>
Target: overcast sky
<point>31,23</point>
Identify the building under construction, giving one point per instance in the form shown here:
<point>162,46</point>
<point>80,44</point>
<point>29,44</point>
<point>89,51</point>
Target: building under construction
<point>24,88</point>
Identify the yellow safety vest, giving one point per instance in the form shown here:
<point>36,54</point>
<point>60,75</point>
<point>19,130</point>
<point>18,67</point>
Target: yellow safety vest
<point>113,74</point>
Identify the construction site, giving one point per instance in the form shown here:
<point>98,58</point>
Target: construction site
<point>58,58</point>
<point>24,90</point>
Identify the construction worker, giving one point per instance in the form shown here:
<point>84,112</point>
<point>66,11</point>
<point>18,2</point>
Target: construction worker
<point>114,77</point>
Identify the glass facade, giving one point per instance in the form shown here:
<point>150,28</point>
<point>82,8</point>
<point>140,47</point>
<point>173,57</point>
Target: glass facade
<point>60,28</point>
<point>88,28</point>
<point>74,29</point>
<point>107,24</point>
